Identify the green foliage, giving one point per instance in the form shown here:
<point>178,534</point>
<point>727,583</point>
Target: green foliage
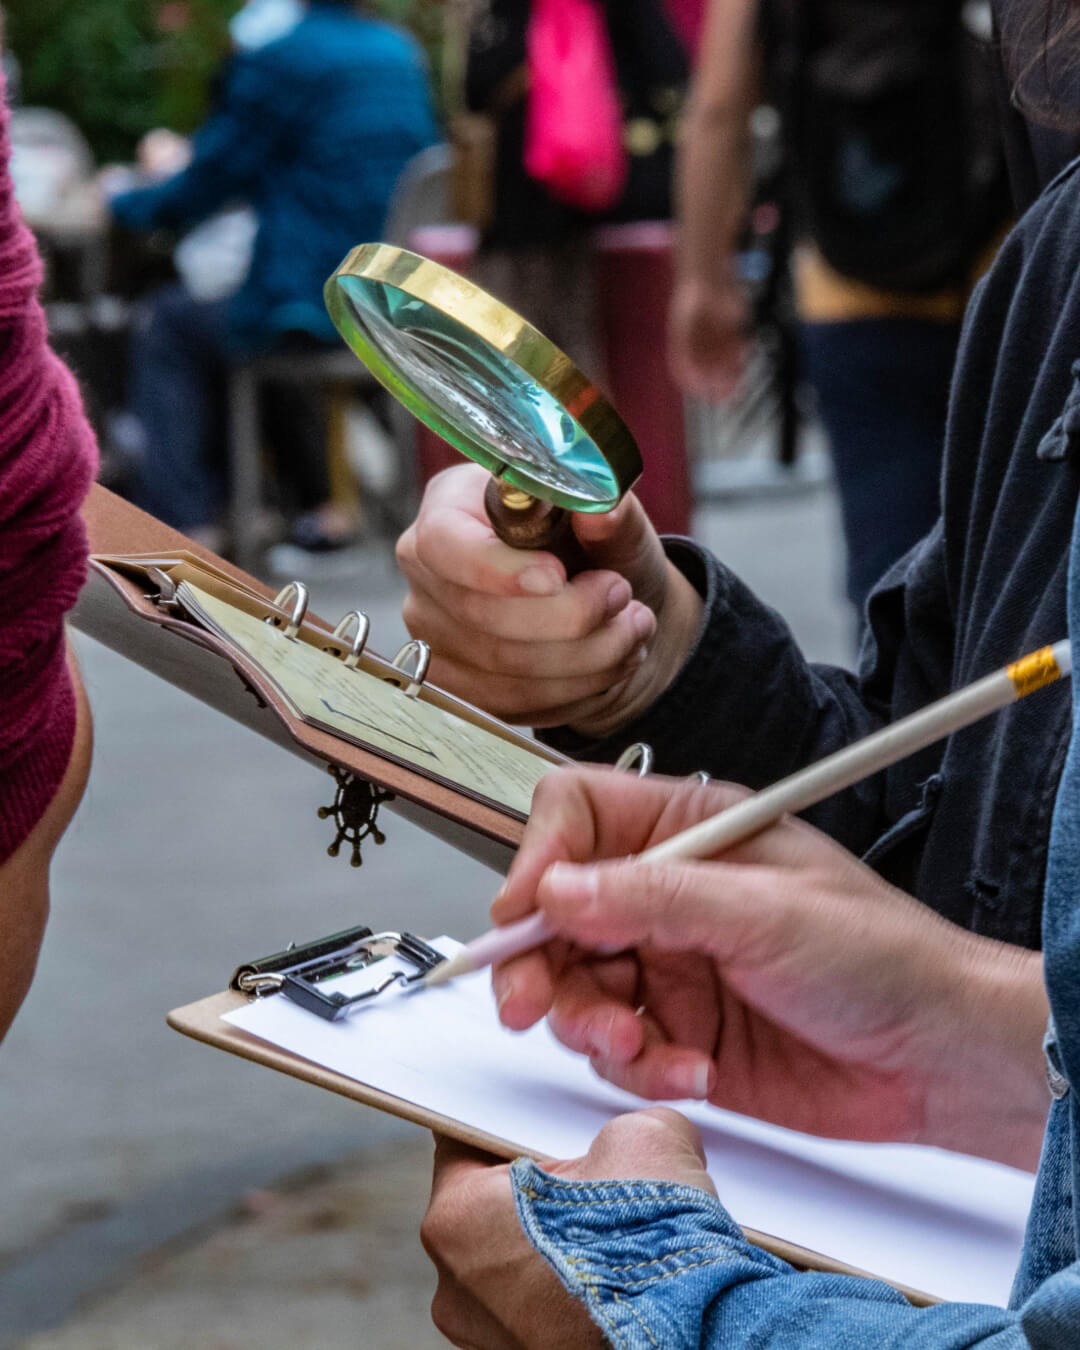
<point>118,68</point>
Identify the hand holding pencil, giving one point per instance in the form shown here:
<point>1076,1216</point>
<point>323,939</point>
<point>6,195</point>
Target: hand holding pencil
<point>802,789</point>
<point>784,979</point>
<point>776,976</point>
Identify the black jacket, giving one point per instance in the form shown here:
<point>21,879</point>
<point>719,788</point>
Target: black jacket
<point>963,825</point>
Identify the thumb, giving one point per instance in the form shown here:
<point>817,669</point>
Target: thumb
<point>657,1144</point>
<point>624,541</point>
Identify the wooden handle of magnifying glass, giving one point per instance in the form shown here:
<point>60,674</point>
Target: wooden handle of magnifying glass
<point>523,521</point>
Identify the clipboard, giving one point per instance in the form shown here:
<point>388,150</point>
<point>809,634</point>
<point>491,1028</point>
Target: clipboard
<point>138,566</point>
<point>326,957</point>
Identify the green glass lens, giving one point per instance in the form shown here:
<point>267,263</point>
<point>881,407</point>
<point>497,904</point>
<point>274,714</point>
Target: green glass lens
<point>480,400</point>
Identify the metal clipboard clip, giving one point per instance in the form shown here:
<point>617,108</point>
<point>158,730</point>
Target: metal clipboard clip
<point>298,972</point>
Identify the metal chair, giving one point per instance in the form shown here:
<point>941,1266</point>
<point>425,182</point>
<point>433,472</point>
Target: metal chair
<point>422,196</point>
<point>326,370</point>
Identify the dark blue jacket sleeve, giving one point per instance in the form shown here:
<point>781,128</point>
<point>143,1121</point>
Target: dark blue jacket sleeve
<point>749,707</point>
<point>231,152</point>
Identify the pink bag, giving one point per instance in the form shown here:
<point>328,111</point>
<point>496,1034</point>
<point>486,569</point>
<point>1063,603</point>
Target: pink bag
<point>573,122</point>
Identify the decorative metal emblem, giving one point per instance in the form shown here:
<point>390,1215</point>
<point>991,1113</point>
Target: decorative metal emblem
<point>355,808</point>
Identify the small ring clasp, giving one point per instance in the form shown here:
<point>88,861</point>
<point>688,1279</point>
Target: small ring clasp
<point>353,628</point>
<point>295,594</point>
<point>638,756</point>
<point>420,653</point>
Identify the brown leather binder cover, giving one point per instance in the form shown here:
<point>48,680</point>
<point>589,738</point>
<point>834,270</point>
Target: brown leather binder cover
<point>115,609</point>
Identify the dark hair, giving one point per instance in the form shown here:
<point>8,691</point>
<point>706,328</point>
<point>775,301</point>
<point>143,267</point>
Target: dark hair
<point>1040,43</point>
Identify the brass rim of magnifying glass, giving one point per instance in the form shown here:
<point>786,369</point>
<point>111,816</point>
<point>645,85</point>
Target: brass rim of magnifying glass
<point>510,335</point>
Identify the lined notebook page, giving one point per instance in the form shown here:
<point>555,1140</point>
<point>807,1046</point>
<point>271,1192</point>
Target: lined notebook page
<point>936,1221</point>
<point>376,714</point>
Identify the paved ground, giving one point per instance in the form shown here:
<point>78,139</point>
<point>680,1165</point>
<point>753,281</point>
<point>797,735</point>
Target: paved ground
<point>160,1195</point>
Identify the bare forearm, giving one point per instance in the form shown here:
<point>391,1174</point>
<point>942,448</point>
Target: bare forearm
<point>713,171</point>
<point>24,877</point>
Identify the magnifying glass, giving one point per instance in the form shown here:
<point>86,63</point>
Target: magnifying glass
<point>491,384</point>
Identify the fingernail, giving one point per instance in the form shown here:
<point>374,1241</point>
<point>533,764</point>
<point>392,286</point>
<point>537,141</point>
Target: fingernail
<point>644,623</point>
<point>573,883</point>
<point>690,1080</point>
<point>504,994</point>
<point>540,581</point>
<point>600,1037</point>
<point>617,598</point>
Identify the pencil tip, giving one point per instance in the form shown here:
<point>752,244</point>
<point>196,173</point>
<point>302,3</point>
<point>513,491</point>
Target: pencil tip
<point>446,970</point>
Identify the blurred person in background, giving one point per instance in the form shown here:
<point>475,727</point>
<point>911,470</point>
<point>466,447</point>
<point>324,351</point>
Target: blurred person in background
<point>534,246</point>
<point>317,112</point>
<point>898,189</point>
<point>47,461</point>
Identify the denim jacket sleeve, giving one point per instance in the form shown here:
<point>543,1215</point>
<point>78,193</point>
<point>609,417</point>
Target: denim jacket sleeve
<point>230,153</point>
<point>660,1265</point>
<point>748,706</point>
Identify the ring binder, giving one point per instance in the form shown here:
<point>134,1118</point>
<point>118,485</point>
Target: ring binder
<point>638,756</point>
<point>295,593</point>
<point>421,653</point>
<point>297,972</point>
<point>195,621</point>
<point>353,628</point>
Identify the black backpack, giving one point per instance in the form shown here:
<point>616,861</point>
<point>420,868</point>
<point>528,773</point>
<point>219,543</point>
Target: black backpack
<point>893,141</point>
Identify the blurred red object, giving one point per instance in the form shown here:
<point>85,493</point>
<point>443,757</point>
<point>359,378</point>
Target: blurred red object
<point>573,119</point>
<point>688,19</point>
<point>633,288</point>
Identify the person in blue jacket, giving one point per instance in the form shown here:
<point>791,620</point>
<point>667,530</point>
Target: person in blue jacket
<point>312,129</point>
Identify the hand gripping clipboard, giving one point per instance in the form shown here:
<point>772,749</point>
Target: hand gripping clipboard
<point>129,603</point>
<point>326,958</point>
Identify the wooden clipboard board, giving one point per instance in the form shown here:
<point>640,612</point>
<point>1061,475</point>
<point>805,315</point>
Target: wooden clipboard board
<point>202,1021</point>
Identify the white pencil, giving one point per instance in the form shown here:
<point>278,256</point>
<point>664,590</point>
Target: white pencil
<point>802,789</point>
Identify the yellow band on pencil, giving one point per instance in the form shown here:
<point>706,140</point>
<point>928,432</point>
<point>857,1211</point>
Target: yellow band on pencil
<point>1031,672</point>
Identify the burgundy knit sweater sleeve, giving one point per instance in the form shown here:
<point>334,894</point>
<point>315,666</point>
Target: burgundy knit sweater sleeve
<point>47,462</point>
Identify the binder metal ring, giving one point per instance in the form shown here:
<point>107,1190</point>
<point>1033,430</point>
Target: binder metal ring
<point>638,756</point>
<point>420,653</point>
<point>296,595</point>
<point>353,628</point>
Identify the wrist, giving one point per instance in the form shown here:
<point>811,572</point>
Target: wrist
<point>678,622</point>
<point>990,1095</point>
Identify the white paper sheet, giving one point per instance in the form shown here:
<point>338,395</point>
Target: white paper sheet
<point>941,1222</point>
